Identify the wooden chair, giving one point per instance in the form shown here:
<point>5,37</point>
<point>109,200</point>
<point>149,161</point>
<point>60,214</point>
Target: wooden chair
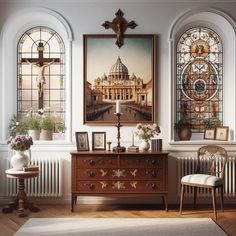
<point>211,161</point>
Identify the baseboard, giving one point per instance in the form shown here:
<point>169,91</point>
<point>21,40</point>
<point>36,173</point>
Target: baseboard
<point>66,199</point>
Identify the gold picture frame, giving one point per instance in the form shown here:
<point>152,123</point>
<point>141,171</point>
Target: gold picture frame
<point>127,74</point>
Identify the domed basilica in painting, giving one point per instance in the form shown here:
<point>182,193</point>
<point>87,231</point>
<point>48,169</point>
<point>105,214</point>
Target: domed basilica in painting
<point>119,85</point>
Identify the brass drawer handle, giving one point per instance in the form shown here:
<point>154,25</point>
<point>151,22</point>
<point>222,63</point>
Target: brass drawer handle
<point>89,162</point>
<point>152,186</point>
<point>90,173</point>
<point>152,173</point>
<point>151,161</point>
<point>89,185</point>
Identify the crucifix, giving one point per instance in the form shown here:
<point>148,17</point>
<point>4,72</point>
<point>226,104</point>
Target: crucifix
<point>119,25</point>
<point>40,63</point>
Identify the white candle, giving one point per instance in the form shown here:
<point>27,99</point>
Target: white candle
<point>118,106</point>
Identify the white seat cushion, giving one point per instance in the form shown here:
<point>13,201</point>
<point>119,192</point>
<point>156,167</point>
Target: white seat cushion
<point>208,180</point>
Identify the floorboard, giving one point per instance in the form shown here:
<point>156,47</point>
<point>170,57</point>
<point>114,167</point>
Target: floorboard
<point>10,223</point>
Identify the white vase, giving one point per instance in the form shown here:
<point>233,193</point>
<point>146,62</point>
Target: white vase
<point>145,145</point>
<point>19,160</point>
<point>34,134</point>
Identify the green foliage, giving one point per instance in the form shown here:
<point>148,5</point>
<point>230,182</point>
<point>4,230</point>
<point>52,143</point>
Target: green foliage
<point>60,127</point>
<point>17,126</point>
<point>212,122</point>
<point>48,122</point>
<point>34,122</point>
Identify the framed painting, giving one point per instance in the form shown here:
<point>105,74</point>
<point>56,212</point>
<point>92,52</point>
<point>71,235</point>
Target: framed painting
<point>99,140</point>
<point>222,133</point>
<point>82,142</point>
<point>209,134</point>
<point>126,74</point>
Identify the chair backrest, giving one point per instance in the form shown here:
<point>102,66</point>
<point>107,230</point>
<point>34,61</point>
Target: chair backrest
<point>211,159</point>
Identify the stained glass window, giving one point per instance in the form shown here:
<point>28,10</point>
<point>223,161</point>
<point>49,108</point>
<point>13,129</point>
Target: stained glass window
<point>199,78</point>
<point>41,62</point>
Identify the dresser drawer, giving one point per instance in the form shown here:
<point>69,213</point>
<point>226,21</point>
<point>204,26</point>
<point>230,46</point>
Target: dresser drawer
<point>119,186</point>
<point>123,174</point>
<point>96,162</point>
<point>142,162</point>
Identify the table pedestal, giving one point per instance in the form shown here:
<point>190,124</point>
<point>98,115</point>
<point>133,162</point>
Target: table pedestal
<point>21,202</point>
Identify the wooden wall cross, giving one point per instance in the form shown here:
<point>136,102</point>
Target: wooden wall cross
<point>40,63</point>
<point>119,26</point>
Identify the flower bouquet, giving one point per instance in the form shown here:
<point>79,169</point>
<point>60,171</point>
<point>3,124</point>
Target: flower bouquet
<point>146,132</point>
<point>20,143</point>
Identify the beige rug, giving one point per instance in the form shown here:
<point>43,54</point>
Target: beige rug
<point>120,227</point>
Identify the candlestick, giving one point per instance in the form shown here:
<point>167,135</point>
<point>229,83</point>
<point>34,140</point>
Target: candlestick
<point>118,148</point>
<point>117,106</point>
<point>132,138</point>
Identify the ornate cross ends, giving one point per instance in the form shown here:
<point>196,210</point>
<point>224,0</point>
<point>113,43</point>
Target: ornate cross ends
<point>119,26</point>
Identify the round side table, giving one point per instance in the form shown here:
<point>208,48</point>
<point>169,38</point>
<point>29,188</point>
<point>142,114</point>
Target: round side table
<point>21,203</point>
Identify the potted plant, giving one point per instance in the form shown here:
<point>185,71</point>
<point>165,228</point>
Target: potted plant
<point>34,125</point>
<point>183,129</point>
<point>47,126</point>
<point>212,122</point>
<point>17,126</point>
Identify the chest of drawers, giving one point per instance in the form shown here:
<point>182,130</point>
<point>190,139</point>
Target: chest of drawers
<point>103,173</point>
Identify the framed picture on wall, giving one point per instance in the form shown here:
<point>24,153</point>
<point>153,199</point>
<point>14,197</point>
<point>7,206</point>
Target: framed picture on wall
<point>126,74</point>
<point>222,133</point>
<point>82,141</point>
<point>209,133</point>
<point>99,140</point>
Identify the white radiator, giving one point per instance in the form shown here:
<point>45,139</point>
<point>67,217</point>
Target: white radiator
<point>47,184</point>
<point>187,165</point>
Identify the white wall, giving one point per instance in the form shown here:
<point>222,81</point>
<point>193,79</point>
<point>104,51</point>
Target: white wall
<point>86,18</point>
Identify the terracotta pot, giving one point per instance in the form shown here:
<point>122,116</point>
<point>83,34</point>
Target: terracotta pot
<point>46,134</point>
<point>185,133</point>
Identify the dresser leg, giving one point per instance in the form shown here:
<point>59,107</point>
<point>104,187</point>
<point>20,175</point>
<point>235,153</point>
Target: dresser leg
<point>164,200</point>
<point>73,202</point>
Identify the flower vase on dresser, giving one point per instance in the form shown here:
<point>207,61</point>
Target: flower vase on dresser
<point>20,144</point>
<point>145,133</point>
<point>145,145</point>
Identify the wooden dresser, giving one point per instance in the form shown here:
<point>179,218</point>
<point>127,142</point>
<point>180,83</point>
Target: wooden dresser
<point>104,173</point>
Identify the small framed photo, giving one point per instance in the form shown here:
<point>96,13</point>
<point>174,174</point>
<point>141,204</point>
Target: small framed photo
<point>82,142</point>
<point>222,133</point>
<point>99,140</point>
<point>209,134</point>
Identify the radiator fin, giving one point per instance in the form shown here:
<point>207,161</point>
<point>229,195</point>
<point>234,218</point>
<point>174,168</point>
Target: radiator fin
<point>47,184</point>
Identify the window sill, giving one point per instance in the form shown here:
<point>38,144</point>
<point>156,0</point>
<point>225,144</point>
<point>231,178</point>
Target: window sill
<point>193,145</point>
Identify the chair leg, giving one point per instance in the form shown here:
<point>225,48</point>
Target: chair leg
<point>213,191</point>
<point>195,196</point>
<point>181,198</point>
<point>222,198</point>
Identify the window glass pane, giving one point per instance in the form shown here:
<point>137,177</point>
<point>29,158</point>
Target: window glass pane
<point>41,64</point>
<point>199,78</point>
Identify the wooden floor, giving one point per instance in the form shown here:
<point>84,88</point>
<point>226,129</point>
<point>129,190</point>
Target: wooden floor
<point>10,223</point>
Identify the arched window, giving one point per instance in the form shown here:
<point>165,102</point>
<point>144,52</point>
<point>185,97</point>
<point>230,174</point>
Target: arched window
<point>41,65</point>
<point>199,78</point>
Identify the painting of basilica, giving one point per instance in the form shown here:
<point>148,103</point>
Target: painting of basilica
<point>126,74</point>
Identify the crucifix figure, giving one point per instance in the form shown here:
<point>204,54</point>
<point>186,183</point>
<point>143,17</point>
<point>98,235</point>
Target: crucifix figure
<point>40,63</point>
<point>119,26</point>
